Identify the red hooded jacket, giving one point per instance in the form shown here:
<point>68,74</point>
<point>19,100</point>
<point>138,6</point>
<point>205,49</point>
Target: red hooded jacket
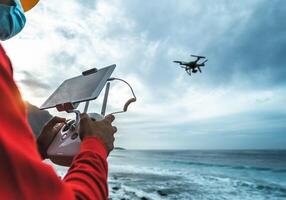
<point>23,175</point>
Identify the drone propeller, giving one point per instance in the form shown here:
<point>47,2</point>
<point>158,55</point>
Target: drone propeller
<point>198,56</point>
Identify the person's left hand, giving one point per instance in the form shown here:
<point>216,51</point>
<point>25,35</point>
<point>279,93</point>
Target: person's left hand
<point>48,133</point>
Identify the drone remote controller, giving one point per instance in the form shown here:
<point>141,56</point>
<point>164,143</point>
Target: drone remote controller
<point>66,143</point>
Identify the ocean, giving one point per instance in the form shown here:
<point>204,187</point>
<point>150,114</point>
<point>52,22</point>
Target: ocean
<point>196,174</point>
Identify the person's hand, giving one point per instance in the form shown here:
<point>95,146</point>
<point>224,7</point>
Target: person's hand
<point>48,133</point>
<point>100,129</point>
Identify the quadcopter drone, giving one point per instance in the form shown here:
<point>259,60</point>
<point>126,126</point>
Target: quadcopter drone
<point>192,66</point>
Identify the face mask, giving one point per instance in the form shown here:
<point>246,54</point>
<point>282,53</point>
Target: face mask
<point>12,20</point>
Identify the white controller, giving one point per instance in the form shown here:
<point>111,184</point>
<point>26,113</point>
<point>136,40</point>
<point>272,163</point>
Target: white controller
<point>67,141</point>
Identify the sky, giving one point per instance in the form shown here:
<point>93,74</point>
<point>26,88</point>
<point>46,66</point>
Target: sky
<point>238,102</point>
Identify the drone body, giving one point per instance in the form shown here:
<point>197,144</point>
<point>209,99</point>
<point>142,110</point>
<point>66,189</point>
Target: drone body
<point>192,66</point>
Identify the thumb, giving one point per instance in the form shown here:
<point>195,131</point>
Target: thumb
<point>55,120</point>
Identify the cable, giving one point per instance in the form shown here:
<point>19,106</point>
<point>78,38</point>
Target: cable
<point>119,79</point>
<point>129,101</point>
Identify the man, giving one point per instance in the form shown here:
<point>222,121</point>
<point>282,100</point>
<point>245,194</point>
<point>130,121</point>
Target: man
<point>22,173</point>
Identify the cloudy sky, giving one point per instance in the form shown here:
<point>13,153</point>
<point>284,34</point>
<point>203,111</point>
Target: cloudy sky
<point>237,102</point>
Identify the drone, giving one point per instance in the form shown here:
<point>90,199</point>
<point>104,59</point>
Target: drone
<point>192,66</point>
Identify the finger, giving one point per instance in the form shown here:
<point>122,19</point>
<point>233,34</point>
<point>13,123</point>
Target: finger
<point>110,147</point>
<point>55,120</point>
<point>109,119</point>
<point>84,115</point>
<point>84,118</point>
<point>58,127</point>
<point>114,129</point>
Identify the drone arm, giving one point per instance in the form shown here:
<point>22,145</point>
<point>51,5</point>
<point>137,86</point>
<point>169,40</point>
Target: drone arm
<point>179,62</point>
<point>198,56</point>
<point>205,61</point>
<point>202,64</point>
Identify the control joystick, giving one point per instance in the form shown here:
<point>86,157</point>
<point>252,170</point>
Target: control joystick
<point>67,141</point>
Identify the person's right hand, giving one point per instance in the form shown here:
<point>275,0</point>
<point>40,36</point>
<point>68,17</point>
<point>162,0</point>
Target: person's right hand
<point>100,129</point>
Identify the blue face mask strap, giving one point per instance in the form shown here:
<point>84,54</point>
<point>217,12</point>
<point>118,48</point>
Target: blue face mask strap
<point>19,5</point>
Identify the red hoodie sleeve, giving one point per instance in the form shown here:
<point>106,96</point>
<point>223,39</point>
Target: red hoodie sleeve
<point>87,177</point>
<point>22,173</point>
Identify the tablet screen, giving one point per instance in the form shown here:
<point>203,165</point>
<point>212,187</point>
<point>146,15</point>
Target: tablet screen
<point>80,88</point>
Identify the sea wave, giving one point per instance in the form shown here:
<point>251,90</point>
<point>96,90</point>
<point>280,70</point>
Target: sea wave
<point>239,167</point>
<point>253,185</point>
<point>182,182</point>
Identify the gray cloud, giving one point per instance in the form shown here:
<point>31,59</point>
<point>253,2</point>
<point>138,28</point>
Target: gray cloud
<point>63,58</point>
<point>245,42</point>
<point>66,33</point>
<point>88,4</point>
<point>256,52</point>
<point>34,84</point>
<point>236,103</point>
<point>261,130</point>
